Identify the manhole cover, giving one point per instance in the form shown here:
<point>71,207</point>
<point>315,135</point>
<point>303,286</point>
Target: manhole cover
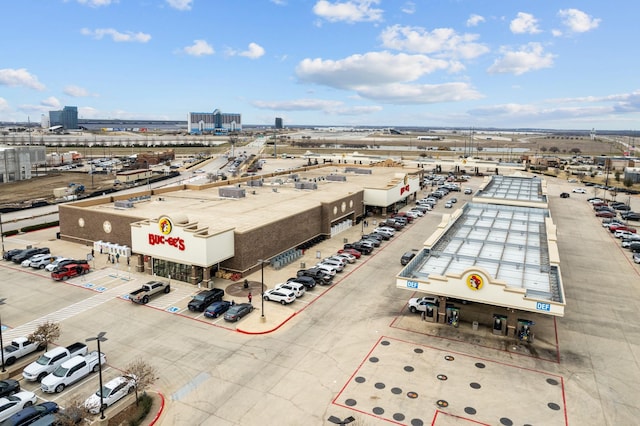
<point>412,395</point>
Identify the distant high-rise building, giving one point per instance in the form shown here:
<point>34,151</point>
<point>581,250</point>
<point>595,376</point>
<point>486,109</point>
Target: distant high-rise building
<point>67,118</point>
<point>279,123</point>
<point>44,121</point>
<point>214,122</point>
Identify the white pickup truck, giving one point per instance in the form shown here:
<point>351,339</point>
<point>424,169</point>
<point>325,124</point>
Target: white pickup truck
<point>71,371</point>
<point>18,348</point>
<point>51,360</point>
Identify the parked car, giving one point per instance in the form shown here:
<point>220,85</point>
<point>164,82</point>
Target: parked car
<point>56,263</point>
<point>353,252</point>
<point>70,270</point>
<point>330,270</point>
<point>27,253</point>
<point>419,304</point>
<point>631,216</point>
<point>237,311</point>
<point>298,289</point>
<point>579,190</point>
<point>43,261</point>
<point>307,282</point>
<point>218,308</point>
<point>468,191</point>
<point>30,415</point>
<point>205,298</point>
<point>10,253</point>
<point>112,391</point>
<point>448,205</point>
<point>406,258</point>
<point>626,241</point>
<point>634,246</point>
<point>453,200</point>
<point>336,260</point>
<point>9,387</point>
<point>636,257</point>
<point>282,296</point>
<point>564,195</point>
<point>27,262</point>
<point>12,404</point>
<point>317,274</point>
<point>346,257</point>
<point>605,213</point>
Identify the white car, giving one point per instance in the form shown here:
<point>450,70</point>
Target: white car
<point>112,392</point>
<point>297,288</point>
<point>9,405</point>
<point>329,269</point>
<point>42,262</point>
<point>337,263</point>
<point>416,212</point>
<point>347,257</point>
<point>579,190</point>
<point>636,257</point>
<point>53,265</point>
<point>276,295</point>
<point>596,200</point>
<point>385,231</point>
<point>622,233</point>
<point>413,214</point>
<point>27,262</point>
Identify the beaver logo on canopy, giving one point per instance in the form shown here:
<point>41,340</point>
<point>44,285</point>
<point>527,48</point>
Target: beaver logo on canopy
<point>474,282</point>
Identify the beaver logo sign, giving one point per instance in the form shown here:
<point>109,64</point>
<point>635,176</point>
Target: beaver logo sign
<point>165,225</point>
<point>475,282</point>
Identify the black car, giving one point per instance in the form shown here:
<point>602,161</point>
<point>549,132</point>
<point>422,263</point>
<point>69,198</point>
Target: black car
<point>203,299</point>
<point>27,253</point>
<point>361,248</point>
<point>29,415</point>
<point>10,253</point>
<point>564,195</point>
<point>631,216</point>
<point>307,282</point>
<point>635,246</point>
<point>9,387</point>
<point>406,258</point>
<point>320,276</point>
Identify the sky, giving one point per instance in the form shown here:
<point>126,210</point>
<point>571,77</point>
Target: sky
<point>549,64</point>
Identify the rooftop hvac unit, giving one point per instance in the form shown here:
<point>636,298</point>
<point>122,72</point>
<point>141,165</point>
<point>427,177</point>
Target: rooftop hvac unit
<point>232,192</point>
<point>123,204</point>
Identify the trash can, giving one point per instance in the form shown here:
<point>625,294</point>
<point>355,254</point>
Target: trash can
<point>303,265</point>
<point>57,235</point>
<point>474,326</point>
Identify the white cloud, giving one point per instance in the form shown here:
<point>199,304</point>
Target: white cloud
<point>253,52</point>
<point>199,48</point>
<point>556,33</point>
<point>348,11</point>
<point>385,77</point>
<point>96,3</point>
<point>474,20</point>
<point>76,91</point>
<point>373,68</point>
<point>524,23</point>
<point>409,8</point>
<point>444,42</point>
<point>180,4</point>
<point>116,35</point>
<point>279,2</point>
<point>529,57</point>
<point>298,105</point>
<point>19,77</point>
<point>577,21</point>
<point>4,105</point>
<point>51,102</point>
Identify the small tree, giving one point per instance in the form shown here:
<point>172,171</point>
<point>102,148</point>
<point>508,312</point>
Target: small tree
<point>143,375</point>
<point>45,333</point>
<point>628,182</point>
<point>616,176</point>
<point>554,149</point>
<point>73,413</point>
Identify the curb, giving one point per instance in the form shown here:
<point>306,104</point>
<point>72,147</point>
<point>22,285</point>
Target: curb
<point>160,411</point>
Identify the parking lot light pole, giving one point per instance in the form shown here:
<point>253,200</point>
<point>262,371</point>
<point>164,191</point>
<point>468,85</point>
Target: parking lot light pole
<point>1,342</point>
<point>2,234</point>
<point>99,338</point>
<point>262,262</point>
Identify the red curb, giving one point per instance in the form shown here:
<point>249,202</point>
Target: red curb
<point>159,413</point>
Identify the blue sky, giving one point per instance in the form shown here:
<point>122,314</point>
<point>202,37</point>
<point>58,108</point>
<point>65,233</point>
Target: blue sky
<point>468,63</point>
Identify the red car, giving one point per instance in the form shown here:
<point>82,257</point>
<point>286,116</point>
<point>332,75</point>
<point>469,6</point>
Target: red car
<point>605,213</point>
<point>69,271</point>
<point>353,252</point>
<point>614,228</point>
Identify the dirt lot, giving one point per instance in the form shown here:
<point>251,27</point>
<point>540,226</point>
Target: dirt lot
<point>42,187</point>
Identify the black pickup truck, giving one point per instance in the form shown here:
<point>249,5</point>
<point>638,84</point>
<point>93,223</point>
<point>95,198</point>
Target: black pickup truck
<point>203,299</point>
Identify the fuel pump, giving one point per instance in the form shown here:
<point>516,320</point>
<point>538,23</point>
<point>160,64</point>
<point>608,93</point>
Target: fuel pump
<point>429,314</point>
<point>453,316</point>
<point>525,333</point>
<point>499,324</point>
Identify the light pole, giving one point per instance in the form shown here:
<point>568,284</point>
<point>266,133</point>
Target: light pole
<point>262,262</point>
<point>1,234</point>
<point>99,338</point>
<point>1,342</point>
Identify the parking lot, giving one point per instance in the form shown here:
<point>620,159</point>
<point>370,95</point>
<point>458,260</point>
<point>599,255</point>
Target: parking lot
<point>353,348</point>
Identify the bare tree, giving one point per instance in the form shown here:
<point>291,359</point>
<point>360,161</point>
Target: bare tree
<point>46,333</point>
<point>143,375</point>
<point>72,414</point>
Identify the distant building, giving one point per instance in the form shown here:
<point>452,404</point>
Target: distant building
<point>44,121</point>
<point>67,118</point>
<point>215,122</point>
<point>279,124</point>
<point>16,162</point>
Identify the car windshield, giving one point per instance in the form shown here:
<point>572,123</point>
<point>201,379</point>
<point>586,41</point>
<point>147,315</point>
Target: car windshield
<point>43,360</point>
<point>106,391</point>
<point>199,297</point>
<point>60,371</point>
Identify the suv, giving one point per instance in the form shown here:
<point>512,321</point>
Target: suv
<point>27,253</point>
<point>298,289</point>
<point>317,274</point>
<point>308,282</point>
<point>203,299</point>
<point>406,258</point>
<point>279,295</point>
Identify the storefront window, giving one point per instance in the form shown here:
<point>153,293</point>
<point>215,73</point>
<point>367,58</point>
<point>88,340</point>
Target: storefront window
<point>176,271</point>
